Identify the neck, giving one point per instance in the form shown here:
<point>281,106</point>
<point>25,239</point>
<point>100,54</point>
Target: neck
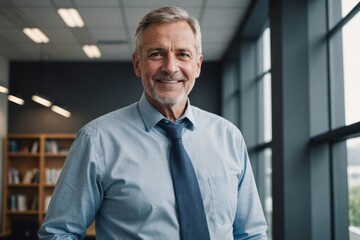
<point>170,111</point>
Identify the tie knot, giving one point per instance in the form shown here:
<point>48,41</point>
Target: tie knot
<point>173,131</point>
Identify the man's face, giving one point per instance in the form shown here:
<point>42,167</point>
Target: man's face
<point>169,63</point>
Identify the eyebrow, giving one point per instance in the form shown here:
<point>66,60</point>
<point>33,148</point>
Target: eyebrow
<point>183,50</point>
<point>155,49</point>
<point>164,50</point>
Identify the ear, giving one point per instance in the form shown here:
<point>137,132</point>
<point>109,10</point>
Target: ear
<point>136,61</point>
<point>198,65</point>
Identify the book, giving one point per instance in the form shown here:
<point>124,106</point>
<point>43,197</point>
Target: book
<point>13,176</point>
<point>31,176</point>
<point>36,176</point>
<point>28,176</point>
<point>12,203</point>
<point>51,146</point>
<point>13,146</point>
<point>34,203</point>
<point>21,202</point>
<point>52,175</point>
<point>35,147</point>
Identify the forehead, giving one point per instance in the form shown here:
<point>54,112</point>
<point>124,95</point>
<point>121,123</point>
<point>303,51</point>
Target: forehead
<point>174,33</point>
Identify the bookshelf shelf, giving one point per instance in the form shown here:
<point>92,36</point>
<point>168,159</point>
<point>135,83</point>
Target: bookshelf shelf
<point>21,155</point>
<point>56,155</point>
<point>31,166</point>
<point>27,212</point>
<point>23,185</point>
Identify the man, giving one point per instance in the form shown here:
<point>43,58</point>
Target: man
<point>122,168</point>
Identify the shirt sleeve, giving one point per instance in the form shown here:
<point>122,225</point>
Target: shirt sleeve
<point>249,220</point>
<point>78,192</point>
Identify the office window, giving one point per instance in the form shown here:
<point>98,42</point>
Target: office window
<point>266,50</point>
<point>264,125</point>
<point>267,86</point>
<point>265,115</point>
<point>246,101</point>
<point>267,108</point>
<point>230,96</point>
<point>267,128</point>
<point>353,173</point>
<point>347,6</point>
<point>351,60</point>
<point>344,54</point>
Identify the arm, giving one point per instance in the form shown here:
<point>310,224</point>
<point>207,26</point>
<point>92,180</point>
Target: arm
<point>78,193</point>
<point>249,220</point>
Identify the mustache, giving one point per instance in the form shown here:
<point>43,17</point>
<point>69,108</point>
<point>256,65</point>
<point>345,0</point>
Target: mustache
<point>169,77</point>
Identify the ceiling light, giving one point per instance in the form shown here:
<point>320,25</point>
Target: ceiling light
<point>92,51</point>
<point>16,100</point>
<point>4,89</point>
<point>41,100</point>
<point>36,35</point>
<point>71,17</point>
<point>61,111</point>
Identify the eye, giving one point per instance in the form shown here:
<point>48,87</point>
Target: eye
<point>155,55</point>
<point>184,55</point>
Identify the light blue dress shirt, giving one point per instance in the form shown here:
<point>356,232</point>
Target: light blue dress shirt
<point>117,172</point>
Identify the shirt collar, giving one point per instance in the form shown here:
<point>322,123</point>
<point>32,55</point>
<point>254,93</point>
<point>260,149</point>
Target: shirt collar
<point>151,116</point>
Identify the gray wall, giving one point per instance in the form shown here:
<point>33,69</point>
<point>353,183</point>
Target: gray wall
<point>88,90</point>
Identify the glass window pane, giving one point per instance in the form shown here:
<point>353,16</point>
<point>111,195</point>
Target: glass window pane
<point>347,5</point>
<point>351,53</point>
<point>265,89</point>
<point>267,108</point>
<point>266,50</point>
<point>229,94</point>
<point>353,173</point>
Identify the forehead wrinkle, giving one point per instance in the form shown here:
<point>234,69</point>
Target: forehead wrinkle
<point>165,39</point>
<point>165,49</point>
<point>155,49</point>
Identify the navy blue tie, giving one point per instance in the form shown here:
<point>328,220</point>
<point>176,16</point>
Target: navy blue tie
<point>190,207</point>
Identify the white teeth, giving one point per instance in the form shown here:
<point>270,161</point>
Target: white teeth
<point>171,81</point>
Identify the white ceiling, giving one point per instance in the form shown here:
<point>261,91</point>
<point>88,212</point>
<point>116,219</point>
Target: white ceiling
<point>108,23</point>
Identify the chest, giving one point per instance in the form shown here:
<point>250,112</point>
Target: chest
<point>138,182</point>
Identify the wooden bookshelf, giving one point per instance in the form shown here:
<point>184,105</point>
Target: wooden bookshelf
<point>23,153</point>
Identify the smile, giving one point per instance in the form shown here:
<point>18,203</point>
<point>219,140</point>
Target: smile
<point>169,81</point>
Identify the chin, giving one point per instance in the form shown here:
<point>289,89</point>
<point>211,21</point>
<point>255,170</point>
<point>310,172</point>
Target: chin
<point>169,101</point>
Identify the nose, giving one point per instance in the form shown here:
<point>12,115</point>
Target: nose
<point>170,64</point>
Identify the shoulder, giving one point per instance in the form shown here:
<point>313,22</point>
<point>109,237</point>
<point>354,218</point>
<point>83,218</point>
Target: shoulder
<point>210,120</point>
<point>208,123</point>
<point>212,127</point>
<point>113,121</point>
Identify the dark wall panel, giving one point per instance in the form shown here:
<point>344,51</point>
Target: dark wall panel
<point>88,90</point>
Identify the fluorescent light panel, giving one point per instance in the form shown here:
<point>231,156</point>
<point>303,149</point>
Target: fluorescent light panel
<point>16,100</point>
<point>92,51</point>
<point>41,100</point>
<point>4,89</point>
<point>71,17</point>
<point>36,35</point>
<point>61,111</point>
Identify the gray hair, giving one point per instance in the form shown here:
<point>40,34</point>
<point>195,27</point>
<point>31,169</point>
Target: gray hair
<point>167,15</point>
